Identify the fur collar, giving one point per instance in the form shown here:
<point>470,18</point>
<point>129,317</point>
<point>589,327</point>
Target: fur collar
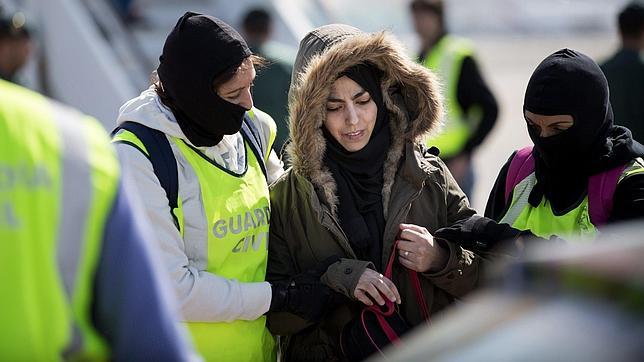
<point>410,93</point>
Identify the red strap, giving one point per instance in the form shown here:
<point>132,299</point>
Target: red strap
<point>366,330</point>
<point>420,297</point>
<point>415,283</point>
<point>390,308</point>
<point>390,264</point>
<point>389,332</point>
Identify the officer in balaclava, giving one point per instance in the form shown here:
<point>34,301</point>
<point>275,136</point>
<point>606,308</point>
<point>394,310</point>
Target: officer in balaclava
<point>201,156</point>
<point>583,171</point>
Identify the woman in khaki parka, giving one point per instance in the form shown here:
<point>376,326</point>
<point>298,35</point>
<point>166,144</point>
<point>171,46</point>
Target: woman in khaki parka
<point>360,180</point>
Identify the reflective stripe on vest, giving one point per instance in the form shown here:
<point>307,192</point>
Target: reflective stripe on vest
<point>541,220</point>
<point>271,136</point>
<point>125,136</point>
<point>58,178</point>
<point>446,59</point>
<point>238,214</point>
<point>635,167</point>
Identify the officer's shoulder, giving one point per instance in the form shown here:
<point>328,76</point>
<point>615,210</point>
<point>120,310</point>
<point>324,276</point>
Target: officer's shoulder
<point>633,169</point>
<point>282,180</point>
<point>428,158</point>
<point>429,154</point>
<point>456,40</point>
<point>262,118</point>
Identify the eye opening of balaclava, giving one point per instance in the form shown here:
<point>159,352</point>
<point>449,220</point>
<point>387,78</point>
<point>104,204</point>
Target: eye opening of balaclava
<point>198,50</point>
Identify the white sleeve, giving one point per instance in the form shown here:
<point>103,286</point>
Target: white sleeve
<point>202,296</point>
<point>268,130</point>
<point>274,167</point>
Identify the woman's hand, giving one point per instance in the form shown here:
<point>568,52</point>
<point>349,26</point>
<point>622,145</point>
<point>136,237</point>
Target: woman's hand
<point>375,285</point>
<point>418,251</point>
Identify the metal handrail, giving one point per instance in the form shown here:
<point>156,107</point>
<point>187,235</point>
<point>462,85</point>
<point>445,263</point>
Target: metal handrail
<point>129,52</point>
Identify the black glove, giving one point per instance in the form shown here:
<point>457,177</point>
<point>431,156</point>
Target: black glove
<point>481,234</point>
<point>303,295</point>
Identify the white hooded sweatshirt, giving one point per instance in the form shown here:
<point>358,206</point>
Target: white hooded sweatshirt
<point>203,296</point>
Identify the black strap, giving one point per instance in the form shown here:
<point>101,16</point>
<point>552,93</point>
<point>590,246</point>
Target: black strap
<point>163,161</point>
<point>251,134</point>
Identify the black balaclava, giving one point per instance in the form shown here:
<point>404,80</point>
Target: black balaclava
<point>570,83</point>
<point>359,175</point>
<point>197,50</point>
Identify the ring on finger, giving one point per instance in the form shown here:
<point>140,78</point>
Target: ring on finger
<point>406,253</point>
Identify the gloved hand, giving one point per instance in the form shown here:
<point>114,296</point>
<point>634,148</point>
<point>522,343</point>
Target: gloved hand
<point>481,234</point>
<point>303,295</point>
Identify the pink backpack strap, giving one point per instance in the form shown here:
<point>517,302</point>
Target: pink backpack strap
<point>521,166</point>
<point>601,189</point>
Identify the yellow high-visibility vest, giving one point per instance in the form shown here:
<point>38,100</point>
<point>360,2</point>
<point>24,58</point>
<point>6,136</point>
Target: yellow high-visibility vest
<point>446,59</point>
<point>58,181</point>
<point>237,208</point>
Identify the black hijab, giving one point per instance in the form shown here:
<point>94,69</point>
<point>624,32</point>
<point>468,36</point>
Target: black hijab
<point>569,82</point>
<point>359,175</point>
<point>197,50</point>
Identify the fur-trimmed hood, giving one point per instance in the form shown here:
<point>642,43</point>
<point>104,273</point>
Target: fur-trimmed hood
<point>410,93</point>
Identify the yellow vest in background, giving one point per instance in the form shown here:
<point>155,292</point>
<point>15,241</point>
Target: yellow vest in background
<point>445,58</point>
<point>58,181</point>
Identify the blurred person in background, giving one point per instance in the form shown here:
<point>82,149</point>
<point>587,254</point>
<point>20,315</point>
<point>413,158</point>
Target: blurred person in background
<point>201,156</point>
<point>583,171</point>
<point>15,45</point>
<point>471,109</point>
<point>128,11</point>
<point>361,183</point>
<point>270,90</point>
<point>625,71</point>
<point>79,278</point>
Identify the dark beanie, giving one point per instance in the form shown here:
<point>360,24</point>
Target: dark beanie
<point>197,50</point>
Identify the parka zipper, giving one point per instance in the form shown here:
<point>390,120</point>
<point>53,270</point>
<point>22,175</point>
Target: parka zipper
<point>334,227</point>
<point>399,217</point>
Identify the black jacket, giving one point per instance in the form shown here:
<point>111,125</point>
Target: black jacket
<point>625,74</point>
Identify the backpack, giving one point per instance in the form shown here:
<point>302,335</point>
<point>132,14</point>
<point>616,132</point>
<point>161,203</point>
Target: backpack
<point>164,163</point>
<point>601,186</point>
